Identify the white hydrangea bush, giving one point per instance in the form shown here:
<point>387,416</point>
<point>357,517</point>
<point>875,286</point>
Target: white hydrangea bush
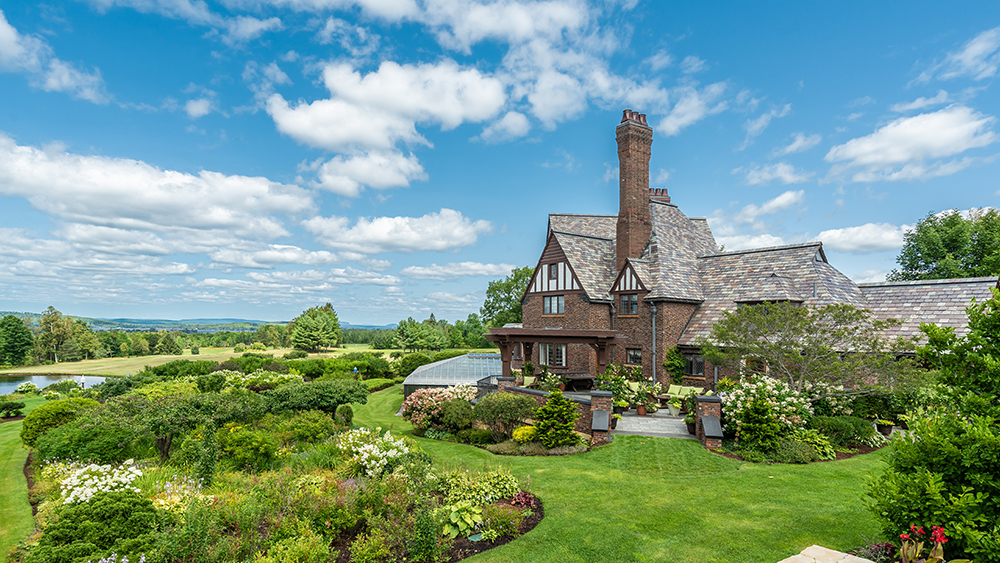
<point>371,449</point>
<point>790,408</point>
<point>259,378</point>
<point>834,395</point>
<point>26,388</point>
<point>82,484</point>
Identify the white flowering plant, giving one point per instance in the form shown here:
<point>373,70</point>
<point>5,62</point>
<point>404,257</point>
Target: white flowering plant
<point>27,388</point>
<point>827,399</point>
<point>371,450</point>
<point>424,406</point>
<point>259,378</point>
<point>790,408</point>
<point>82,484</point>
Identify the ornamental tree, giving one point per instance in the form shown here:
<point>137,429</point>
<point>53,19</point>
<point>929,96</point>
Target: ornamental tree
<point>15,341</point>
<point>838,344</point>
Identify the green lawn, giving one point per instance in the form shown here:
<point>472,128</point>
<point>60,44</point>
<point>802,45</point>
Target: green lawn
<point>663,499</point>
<point>15,512</point>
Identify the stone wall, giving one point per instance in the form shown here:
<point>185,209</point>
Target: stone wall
<point>600,400</point>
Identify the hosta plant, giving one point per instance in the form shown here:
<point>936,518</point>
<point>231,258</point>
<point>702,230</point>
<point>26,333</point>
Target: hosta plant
<point>462,518</point>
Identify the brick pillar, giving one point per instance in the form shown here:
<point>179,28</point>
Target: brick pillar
<point>635,139</point>
<point>708,406</point>
<point>601,400</point>
<point>504,382</point>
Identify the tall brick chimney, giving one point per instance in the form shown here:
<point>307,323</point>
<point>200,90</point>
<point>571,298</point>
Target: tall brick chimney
<point>634,226</point>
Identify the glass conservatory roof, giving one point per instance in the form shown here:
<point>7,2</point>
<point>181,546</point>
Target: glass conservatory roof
<point>467,369</point>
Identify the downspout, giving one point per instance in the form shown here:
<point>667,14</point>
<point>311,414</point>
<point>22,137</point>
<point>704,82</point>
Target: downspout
<point>652,308</point>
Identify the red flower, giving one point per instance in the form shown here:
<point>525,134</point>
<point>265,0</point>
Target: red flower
<point>921,530</point>
<point>904,536</point>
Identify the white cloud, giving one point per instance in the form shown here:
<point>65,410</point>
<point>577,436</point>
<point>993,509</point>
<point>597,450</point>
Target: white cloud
<point>131,194</point>
<point>854,116</point>
<point>692,64</point>
<point>743,242</point>
<point>272,255</point>
<point>512,125</point>
<point>870,276</point>
<point>661,177</point>
<point>245,28</point>
<point>781,171</point>
<point>34,56</point>
<point>978,59</point>
<point>462,23</point>
<point>660,60</point>
<point>870,237</point>
<point>443,230</point>
<point>566,160</point>
<point>692,106</point>
<point>730,229</point>
<point>611,172</point>
<point>921,103</point>
<point>800,143</point>
<point>355,39</point>
<point>899,150</point>
<point>379,170</point>
<point>785,201</point>
<point>556,96</point>
<point>757,126</point>
<point>199,107</point>
<point>456,270</point>
<point>449,300</point>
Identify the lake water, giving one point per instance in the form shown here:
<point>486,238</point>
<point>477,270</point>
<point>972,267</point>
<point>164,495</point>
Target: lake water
<point>8,383</point>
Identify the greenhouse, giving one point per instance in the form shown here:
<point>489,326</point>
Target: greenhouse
<point>460,370</point>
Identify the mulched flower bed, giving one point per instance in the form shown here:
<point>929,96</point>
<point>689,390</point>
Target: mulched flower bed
<point>460,547</point>
<point>861,450</point>
<point>12,418</point>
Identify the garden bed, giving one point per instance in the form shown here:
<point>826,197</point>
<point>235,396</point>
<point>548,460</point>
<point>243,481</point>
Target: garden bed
<point>860,449</point>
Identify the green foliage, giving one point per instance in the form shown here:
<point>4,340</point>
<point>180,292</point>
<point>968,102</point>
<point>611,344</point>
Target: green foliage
<point>760,428</point>
<point>554,421</point>
<point>344,416</point>
<point>179,368</point>
<point>413,335</point>
<point>16,341</point>
<point>673,362</point>
<point>296,355</point>
<point>501,413</point>
<point>837,429</point>
<point>447,354</point>
<point>113,522</point>
<point>378,383</point>
<point>944,473</point>
<point>424,543</point>
<point>315,329</point>
<point>503,298</point>
<point>789,450</point>
<point>325,396</point>
<point>167,344</point>
<point>456,415</point>
<point>461,519</point>
<point>162,389</point>
<point>411,362</point>
<point>503,521</point>
<point>948,245</point>
<point>818,442</point>
<point>478,488</point>
<point>306,547</point>
<point>97,439</point>
<point>10,408</point>
<point>806,344</point>
<point>302,426</point>
<point>211,382</point>
<point>248,447</point>
<point>475,436</point>
<point>51,415</point>
<point>385,340</point>
<point>195,351</point>
<point>64,386</point>
<point>370,548</point>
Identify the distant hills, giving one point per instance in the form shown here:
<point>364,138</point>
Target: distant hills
<point>187,325</point>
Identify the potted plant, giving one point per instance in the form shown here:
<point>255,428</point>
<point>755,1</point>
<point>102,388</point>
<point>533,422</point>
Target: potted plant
<point>884,426</point>
<point>675,407</point>
<point>652,406</point>
<point>619,406</point>
<point>551,382</point>
<point>614,420</point>
<point>690,422</point>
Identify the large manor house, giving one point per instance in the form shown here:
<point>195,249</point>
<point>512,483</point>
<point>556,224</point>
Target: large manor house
<point>626,288</point>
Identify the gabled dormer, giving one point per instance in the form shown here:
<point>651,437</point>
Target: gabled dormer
<point>630,287</point>
<point>553,273</point>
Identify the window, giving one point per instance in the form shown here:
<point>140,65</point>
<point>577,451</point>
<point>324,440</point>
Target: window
<point>633,356</point>
<point>554,305</point>
<point>694,365</point>
<point>552,355</point>
<point>630,304</point>
<point>553,271</point>
<point>517,353</point>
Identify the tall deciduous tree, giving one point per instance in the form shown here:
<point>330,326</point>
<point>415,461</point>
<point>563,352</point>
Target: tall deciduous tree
<point>503,298</point>
<point>948,245</point>
<point>54,331</point>
<point>837,344</point>
<point>15,341</point>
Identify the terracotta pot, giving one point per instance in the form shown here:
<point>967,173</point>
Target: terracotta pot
<point>691,427</point>
<point>640,410</point>
<point>562,386</point>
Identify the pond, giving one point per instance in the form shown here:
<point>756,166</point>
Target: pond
<point>9,382</point>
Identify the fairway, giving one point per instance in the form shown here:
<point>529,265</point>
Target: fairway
<point>15,512</point>
<point>665,499</point>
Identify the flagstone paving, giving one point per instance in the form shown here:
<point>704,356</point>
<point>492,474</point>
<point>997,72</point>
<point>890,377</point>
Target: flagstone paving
<point>659,424</point>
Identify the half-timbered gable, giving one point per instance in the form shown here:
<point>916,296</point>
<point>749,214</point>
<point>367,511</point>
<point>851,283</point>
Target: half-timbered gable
<point>553,273</point>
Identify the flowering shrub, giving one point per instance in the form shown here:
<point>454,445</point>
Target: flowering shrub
<point>84,483</point>
<point>26,388</point>
<point>372,450</point>
<point>424,406</point>
<point>789,407</point>
<point>525,434</point>
<point>828,400</point>
<point>258,379</point>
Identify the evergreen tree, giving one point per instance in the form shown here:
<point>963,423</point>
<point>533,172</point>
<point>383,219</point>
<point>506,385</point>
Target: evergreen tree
<point>323,328</point>
<point>15,341</point>
<point>554,421</point>
<point>168,345</point>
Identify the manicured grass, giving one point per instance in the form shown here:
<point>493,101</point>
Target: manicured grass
<point>664,499</point>
<point>15,512</point>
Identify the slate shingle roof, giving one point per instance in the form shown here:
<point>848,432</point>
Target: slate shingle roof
<point>942,302</point>
<point>742,276</point>
<point>673,251</point>
<point>603,226</point>
<point>593,260</point>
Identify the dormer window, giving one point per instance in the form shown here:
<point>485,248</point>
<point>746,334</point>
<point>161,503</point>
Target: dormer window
<point>629,304</point>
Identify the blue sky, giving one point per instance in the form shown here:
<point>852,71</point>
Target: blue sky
<point>250,158</point>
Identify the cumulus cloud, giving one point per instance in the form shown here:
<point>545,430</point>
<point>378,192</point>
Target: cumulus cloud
<point>456,270</point>
<point>901,149</point>
<point>743,242</point>
<point>757,126</point>
<point>692,106</point>
<point>978,59</point>
<point>131,194</point>
<point>272,255</point>
<point>389,10</point>
<point>346,175</point>
<point>781,171</point>
<point>874,275</point>
<point>862,239</point>
<point>921,103</point>
<point>442,230</point>
<point>462,23</point>
<point>800,143</point>
<point>752,225</point>
<point>33,55</point>
<point>245,28</point>
<point>513,125</point>
<point>199,107</point>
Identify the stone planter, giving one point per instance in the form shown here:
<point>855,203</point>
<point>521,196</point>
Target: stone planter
<point>674,411</point>
<point>691,428</point>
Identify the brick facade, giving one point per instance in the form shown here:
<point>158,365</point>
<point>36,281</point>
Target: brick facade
<point>580,314</point>
<point>635,140</point>
<point>600,400</point>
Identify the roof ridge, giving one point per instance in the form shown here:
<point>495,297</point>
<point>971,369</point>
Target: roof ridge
<point>582,215</point>
<point>992,279</point>
<point>567,233</point>
<point>763,249</point>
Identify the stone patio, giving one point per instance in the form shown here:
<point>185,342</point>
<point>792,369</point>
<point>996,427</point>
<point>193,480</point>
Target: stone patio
<point>659,424</point>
